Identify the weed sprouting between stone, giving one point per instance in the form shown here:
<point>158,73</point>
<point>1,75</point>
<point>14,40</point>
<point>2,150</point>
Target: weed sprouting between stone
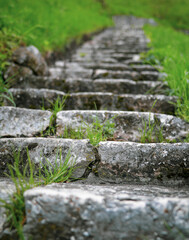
<point>95,132</point>
<point>5,93</point>
<point>151,133</point>
<point>56,107</point>
<point>31,177</point>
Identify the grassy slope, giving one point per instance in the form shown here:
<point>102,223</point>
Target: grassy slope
<point>170,12</point>
<point>51,24</point>
<point>170,49</point>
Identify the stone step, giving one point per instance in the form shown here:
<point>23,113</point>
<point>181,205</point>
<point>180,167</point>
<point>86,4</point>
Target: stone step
<point>19,122</point>
<point>68,85</point>
<point>117,162</point>
<point>38,98</point>
<point>122,102</point>
<point>132,75</point>
<point>106,212</point>
<point>45,149</point>
<point>91,57</point>
<point>68,211</point>
<point>119,67</point>
<point>129,126</point>
<point>117,71</point>
<point>160,163</point>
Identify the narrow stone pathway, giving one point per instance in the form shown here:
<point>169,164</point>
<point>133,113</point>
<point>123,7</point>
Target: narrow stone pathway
<point>133,190</point>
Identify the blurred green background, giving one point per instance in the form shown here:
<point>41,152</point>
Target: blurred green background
<point>51,24</point>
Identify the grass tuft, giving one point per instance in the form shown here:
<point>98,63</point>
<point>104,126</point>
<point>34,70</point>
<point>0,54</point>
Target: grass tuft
<point>95,132</point>
<point>31,177</point>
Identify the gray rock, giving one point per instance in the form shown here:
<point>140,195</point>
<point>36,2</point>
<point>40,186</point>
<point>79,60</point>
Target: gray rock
<point>124,86</point>
<point>7,187</point>
<point>30,57</point>
<point>120,161</point>
<point>37,98</point>
<point>118,67</point>
<point>16,71</point>
<point>19,122</point>
<point>68,212</point>
<point>129,126</point>
<point>70,85</point>
<point>42,149</point>
<point>157,163</point>
<point>133,75</point>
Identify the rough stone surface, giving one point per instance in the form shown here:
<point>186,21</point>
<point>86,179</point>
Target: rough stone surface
<point>153,163</point>
<point>118,66</point>
<point>63,212</point>
<point>133,75</point>
<point>19,122</point>
<point>34,98</point>
<point>37,98</point>
<point>31,57</point>
<point>129,126</point>
<point>6,188</point>
<point>18,72</point>
<point>87,85</point>
<point>102,204</point>
<point>41,149</point>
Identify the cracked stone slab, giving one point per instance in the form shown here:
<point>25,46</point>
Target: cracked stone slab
<point>129,126</point>
<point>19,122</point>
<point>133,75</point>
<point>104,213</point>
<point>38,98</point>
<point>42,149</point>
<point>156,163</point>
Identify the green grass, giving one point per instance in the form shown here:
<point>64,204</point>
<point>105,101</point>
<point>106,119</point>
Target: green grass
<point>95,132</point>
<point>50,25</point>
<point>170,49</point>
<point>30,177</point>
<point>56,107</point>
<point>170,12</point>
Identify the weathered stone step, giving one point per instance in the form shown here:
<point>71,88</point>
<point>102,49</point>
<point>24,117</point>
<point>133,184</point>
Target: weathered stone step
<point>139,63</point>
<point>118,71</point>
<point>153,163</point>
<point>104,213</point>
<point>120,162</point>
<point>45,149</point>
<point>88,85</point>
<point>91,57</point>
<point>38,98</point>
<point>122,102</point>
<point>133,75</point>
<point>119,67</point>
<point>19,122</point>
<point>129,126</point>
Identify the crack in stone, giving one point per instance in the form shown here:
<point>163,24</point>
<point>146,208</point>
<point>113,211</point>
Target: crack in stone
<point>89,168</point>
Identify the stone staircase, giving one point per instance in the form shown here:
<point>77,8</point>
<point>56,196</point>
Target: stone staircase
<point>138,190</point>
